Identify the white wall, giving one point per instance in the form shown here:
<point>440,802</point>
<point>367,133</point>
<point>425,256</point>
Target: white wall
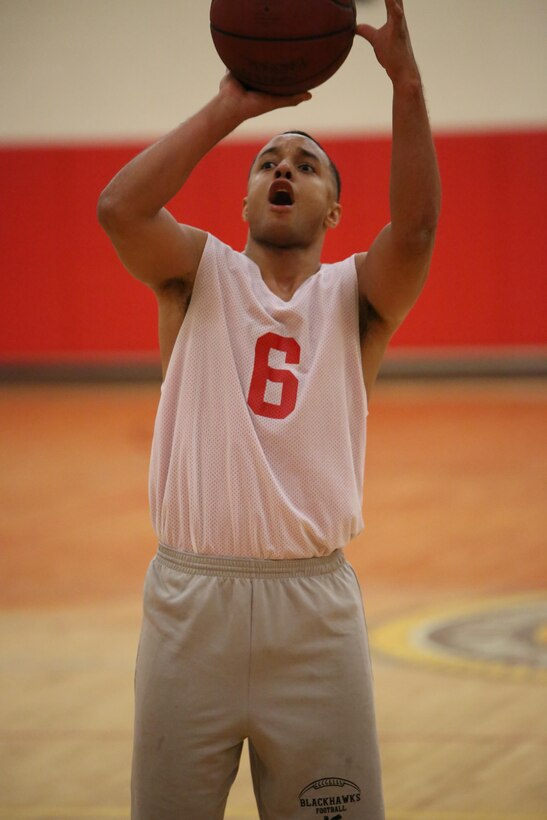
<point>104,69</point>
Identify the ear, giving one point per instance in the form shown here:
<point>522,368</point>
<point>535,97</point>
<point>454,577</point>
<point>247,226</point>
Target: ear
<point>244,212</point>
<point>333,216</point>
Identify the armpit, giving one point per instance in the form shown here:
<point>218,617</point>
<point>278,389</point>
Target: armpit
<point>367,316</point>
<point>176,290</point>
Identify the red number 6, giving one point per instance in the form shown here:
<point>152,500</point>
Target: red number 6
<point>263,373</point>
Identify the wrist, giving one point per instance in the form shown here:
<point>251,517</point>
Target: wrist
<point>222,115</point>
<point>407,82</point>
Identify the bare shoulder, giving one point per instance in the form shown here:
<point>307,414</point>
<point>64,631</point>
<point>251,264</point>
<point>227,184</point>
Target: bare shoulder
<point>392,274</point>
<point>154,249</point>
<point>390,279</point>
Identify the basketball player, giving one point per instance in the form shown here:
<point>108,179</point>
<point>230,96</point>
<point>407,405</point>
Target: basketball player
<point>253,622</point>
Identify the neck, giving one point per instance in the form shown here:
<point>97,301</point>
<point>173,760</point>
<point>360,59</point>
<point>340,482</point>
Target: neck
<point>284,269</point>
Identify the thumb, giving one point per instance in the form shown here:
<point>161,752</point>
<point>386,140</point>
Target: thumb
<point>366,31</point>
<point>293,99</point>
<point>296,99</point>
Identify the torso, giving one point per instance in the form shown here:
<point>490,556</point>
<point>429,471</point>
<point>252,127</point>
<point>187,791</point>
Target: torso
<point>227,415</point>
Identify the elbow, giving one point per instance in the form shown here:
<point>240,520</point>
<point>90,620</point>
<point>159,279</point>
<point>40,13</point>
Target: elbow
<point>417,241</point>
<point>431,216</point>
<point>430,220</point>
<point>418,237</point>
<point>108,211</point>
<point>105,209</point>
<point>421,227</point>
<point>425,236</point>
<point>426,226</point>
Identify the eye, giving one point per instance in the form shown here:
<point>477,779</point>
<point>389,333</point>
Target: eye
<point>269,163</point>
<point>306,168</point>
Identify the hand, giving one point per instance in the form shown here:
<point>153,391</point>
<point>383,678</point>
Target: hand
<point>391,43</point>
<point>247,103</point>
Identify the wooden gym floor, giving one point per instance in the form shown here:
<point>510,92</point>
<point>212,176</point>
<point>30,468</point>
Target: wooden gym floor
<point>452,564</point>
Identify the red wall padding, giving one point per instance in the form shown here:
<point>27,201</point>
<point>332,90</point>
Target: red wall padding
<point>64,292</point>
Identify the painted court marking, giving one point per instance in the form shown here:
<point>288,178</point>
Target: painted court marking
<point>503,637</point>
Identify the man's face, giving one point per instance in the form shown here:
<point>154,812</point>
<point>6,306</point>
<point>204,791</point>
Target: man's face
<point>291,198</point>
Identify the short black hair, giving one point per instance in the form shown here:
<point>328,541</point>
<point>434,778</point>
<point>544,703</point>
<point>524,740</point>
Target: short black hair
<point>334,170</point>
<point>332,166</point>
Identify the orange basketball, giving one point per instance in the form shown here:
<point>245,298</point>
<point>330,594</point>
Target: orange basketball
<point>283,46</point>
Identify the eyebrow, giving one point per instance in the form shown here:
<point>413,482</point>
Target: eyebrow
<point>303,152</point>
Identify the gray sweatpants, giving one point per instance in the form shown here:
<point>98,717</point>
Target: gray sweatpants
<point>272,651</point>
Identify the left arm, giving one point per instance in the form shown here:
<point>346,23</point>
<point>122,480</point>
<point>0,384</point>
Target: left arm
<point>392,274</point>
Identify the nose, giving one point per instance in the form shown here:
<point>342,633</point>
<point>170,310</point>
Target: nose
<point>283,170</point>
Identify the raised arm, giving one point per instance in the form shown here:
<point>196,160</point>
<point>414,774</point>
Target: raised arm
<point>149,241</point>
<point>393,272</point>
<point>131,209</point>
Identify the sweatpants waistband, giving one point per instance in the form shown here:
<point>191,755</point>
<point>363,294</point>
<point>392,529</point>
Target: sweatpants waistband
<point>193,564</point>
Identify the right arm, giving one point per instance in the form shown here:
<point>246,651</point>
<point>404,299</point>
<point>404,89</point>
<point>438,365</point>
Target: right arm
<point>152,245</point>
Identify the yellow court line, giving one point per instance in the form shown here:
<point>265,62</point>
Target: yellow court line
<point>395,638</point>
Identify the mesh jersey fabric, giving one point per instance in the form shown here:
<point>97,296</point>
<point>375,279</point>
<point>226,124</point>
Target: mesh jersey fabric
<point>259,439</point>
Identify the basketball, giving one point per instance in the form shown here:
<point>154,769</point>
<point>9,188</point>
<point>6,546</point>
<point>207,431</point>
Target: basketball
<point>283,46</point>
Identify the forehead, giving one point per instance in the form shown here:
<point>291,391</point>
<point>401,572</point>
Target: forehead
<point>293,145</point>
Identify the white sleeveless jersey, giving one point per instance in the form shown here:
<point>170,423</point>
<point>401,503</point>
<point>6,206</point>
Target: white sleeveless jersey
<point>259,440</point>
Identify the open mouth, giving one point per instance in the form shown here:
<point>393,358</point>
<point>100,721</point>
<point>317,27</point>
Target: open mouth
<point>281,194</point>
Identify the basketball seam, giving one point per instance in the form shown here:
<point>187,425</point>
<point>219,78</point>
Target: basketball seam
<point>282,39</point>
<point>342,5</point>
<point>310,77</point>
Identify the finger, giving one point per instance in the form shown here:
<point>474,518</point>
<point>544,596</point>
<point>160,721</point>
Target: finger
<point>274,101</point>
<point>296,99</point>
<point>366,31</point>
<point>394,9</point>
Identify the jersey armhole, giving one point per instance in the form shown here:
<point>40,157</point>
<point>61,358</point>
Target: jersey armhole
<point>197,283</point>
